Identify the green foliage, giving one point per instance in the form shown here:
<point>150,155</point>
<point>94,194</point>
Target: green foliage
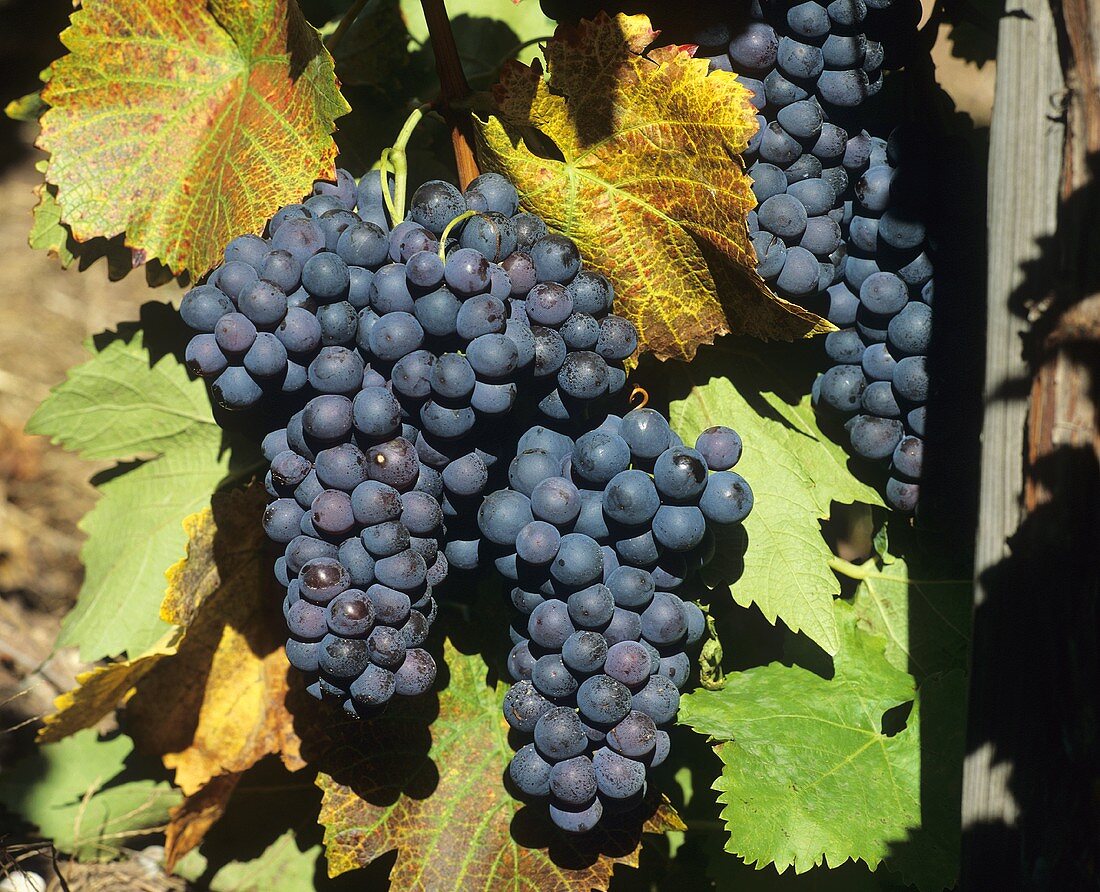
<point>281,867</point>
<point>87,794</point>
<point>809,770</point>
<point>795,470</point>
<point>134,404</point>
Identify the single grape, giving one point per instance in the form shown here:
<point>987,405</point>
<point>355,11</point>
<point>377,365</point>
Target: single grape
<point>530,771</point>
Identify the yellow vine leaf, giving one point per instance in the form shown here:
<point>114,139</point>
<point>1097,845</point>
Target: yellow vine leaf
<point>185,123</point>
<point>210,697</point>
<point>635,156</point>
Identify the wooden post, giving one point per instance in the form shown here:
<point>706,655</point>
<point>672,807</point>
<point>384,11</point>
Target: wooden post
<point>1027,782</point>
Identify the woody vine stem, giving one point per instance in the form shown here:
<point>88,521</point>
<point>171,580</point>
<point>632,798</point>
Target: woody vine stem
<point>455,88</point>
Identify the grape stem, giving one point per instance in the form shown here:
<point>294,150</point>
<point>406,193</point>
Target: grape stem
<point>853,571</point>
<point>455,88</point>
<point>447,231</point>
<point>395,160</point>
<point>346,22</point>
<point>642,395</point>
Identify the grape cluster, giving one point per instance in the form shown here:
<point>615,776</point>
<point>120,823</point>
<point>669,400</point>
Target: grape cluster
<point>831,229</point>
<point>361,523</point>
<point>596,534</point>
<point>398,345</point>
<point>884,311</point>
<point>801,62</point>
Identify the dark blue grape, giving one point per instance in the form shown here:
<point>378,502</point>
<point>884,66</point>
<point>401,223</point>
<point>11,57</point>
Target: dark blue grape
<point>579,561</point>
<point>603,700</point>
<point>480,315</point>
<point>438,312</point>
<point>435,204</point>
<point>556,259</point>
<point>680,474</point>
<point>754,48</point>
<point>878,399</point>
<point>467,272</point>
<point>591,607</point>
<point>395,335</point>
<point>584,652</point>
<point>727,498</point>
<point>466,476</point>
<point>389,290</point>
<point>552,679</point>
<point>910,378</point>
<point>336,370</point>
<point>502,515</point>
<point>530,772</point>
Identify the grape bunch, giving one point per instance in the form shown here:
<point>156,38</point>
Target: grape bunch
<point>404,351</point>
<point>596,534</point>
<point>832,229</point>
<point>883,308</point>
<point>360,520</point>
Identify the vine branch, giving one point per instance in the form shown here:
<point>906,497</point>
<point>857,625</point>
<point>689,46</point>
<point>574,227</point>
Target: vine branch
<point>455,88</point>
<point>346,22</point>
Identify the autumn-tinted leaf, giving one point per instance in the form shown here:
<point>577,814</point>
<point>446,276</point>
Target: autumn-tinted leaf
<point>636,159</point>
<point>184,124</point>
<point>426,778</point>
<point>218,705</point>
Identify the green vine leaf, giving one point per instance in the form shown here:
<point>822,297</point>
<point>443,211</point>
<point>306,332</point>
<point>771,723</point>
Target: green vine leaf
<point>86,796</point>
<point>925,621</point>
<point>437,796</point>
<point>809,773</point>
<point>794,469</point>
<point>135,405</point>
<point>185,124</point>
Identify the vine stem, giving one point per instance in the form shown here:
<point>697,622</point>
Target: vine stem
<point>346,22</point>
<point>454,87</point>
<point>852,571</point>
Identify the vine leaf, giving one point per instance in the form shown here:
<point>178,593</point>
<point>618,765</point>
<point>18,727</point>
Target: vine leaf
<point>133,405</point>
<point>184,124</point>
<point>210,699</point>
<point>281,867</point>
<point>808,771</point>
<point>925,621</point>
<point>89,796</point>
<point>794,469</point>
<point>635,157</point>
<point>218,705</point>
<point>438,797</point>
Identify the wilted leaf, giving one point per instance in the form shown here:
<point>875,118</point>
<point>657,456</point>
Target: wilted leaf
<point>218,705</point>
<point>128,403</point>
<point>636,159</point>
<point>191,820</point>
<point>436,795</point>
<point>184,124</point>
<point>794,469</point>
<point>81,794</point>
